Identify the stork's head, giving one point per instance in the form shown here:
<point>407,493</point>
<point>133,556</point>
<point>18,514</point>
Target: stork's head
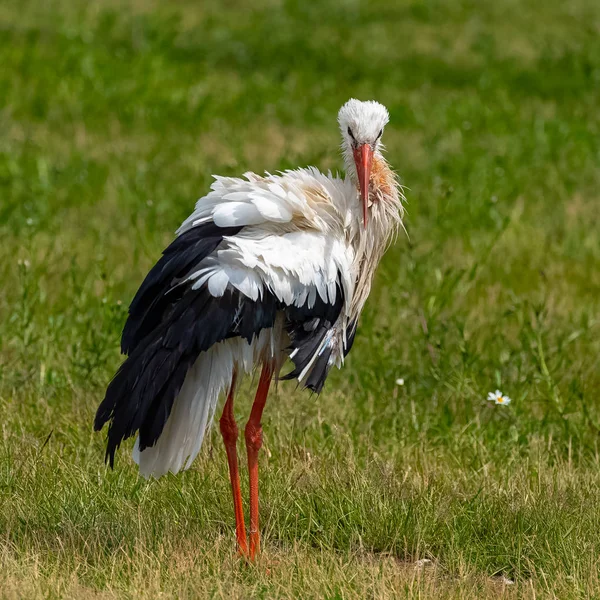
<point>361,124</point>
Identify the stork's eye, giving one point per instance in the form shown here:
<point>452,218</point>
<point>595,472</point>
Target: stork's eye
<point>379,135</point>
<point>351,134</point>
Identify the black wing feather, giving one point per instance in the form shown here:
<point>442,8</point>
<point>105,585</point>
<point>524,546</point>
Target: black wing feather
<point>159,289</point>
<point>307,328</point>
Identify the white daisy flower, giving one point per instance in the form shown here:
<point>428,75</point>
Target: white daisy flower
<point>498,397</point>
<point>400,381</point>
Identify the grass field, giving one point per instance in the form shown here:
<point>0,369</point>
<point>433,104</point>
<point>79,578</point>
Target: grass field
<point>113,115</point>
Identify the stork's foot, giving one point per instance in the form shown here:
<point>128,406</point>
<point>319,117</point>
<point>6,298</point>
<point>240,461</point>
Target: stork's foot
<point>229,431</point>
<point>253,446</point>
<point>253,435</point>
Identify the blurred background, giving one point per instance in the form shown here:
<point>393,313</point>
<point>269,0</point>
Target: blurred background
<point>114,115</point>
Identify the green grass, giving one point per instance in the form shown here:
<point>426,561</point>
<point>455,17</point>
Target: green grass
<point>113,116</point>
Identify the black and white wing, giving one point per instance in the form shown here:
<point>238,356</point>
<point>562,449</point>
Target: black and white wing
<point>258,270</point>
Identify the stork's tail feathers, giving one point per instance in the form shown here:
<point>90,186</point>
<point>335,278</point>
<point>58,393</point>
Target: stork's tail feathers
<point>174,445</point>
<point>192,414</point>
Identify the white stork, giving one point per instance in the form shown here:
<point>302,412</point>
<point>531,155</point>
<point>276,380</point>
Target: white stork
<point>265,268</point>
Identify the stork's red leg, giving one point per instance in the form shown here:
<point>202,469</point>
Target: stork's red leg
<point>253,444</point>
<point>229,431</point>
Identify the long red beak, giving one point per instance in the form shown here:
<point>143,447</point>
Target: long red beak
<point>363,158</point>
